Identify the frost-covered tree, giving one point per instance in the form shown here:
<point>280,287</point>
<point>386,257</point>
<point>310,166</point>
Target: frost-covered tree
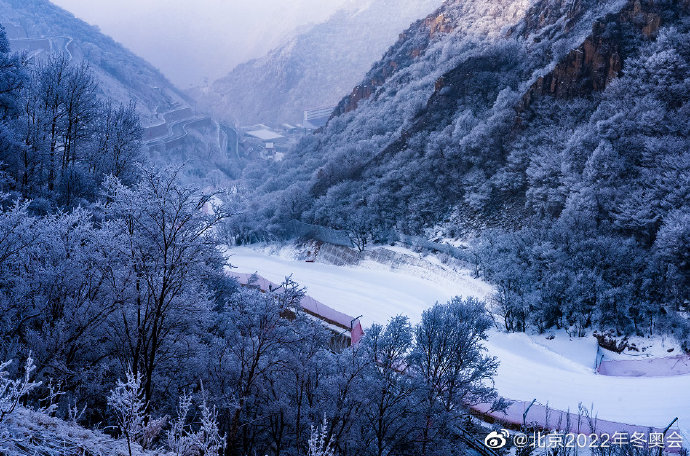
<point>55,295</point>
<point>62,137</point>
<point>204,439</point>
<point>450,367</point>
<point>387,424</point>
<point>12,391</point>
<point>169,253</point>
<point>118,148</point>
<point>12,77</point>
<point>319,444</point>
<point>253,342</point>
<point>127,403</point>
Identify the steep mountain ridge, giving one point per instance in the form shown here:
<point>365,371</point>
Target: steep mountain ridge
<point>535,22</point>
<point>433,126</point>
<point>39,27</point>
<point>555,143</point>
<point>316,67</point>
<point>461,19</point>
<point>588,68</point>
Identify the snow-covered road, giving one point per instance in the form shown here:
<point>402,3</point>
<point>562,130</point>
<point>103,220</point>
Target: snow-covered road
<point>558,372</point>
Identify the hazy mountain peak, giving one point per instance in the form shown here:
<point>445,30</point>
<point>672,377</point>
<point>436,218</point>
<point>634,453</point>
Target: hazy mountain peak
<point>316,67</point>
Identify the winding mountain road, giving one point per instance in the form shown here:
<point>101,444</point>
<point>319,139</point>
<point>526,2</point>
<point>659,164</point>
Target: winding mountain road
<point>20,43</point>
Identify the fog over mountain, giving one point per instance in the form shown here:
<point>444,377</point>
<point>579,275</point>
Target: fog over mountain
<point>317,67</point>
<point>43,29</point>
<point>209,37</point>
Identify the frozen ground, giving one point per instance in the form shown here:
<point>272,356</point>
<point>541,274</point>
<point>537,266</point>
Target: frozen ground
<point>26,432</point>
<point>565,377</point>
<point>558,371</point>
<point>372,290</point>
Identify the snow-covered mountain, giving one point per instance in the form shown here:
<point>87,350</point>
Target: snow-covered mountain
<point>442,124</point>
<point>39,27</point>
<point>317,66</point>
<point>537,126</point>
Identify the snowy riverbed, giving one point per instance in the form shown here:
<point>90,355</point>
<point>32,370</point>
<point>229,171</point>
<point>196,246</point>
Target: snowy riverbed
<point>558,372</point>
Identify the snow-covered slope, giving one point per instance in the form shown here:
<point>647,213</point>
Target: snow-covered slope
<point>39,27</point>
<point>531,368</point>
<point>27,432</point>
<point>318,66</point>
<point>372,290</point>
<point>558,372</point>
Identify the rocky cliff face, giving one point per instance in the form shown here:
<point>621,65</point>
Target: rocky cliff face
<point>595,63</point>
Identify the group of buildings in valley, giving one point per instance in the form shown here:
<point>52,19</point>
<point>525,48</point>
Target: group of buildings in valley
<point>271,142</point>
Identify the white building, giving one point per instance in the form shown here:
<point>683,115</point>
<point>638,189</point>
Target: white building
<point>317,117</point>
<point>266,140</point>
<point>265,135</point>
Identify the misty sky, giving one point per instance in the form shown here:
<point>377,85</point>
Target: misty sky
<point>190,40</point>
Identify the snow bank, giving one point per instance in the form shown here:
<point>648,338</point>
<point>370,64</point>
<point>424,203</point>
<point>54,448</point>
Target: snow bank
<point>26,432</point>
<point>652,367</point>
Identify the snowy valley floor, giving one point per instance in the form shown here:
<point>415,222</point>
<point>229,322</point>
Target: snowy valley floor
<point>559,372</point>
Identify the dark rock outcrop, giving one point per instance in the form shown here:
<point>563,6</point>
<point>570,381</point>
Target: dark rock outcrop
<point>599,59</point>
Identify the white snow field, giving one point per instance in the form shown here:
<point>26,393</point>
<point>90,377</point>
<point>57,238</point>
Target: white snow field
<point>558,373</point>
<point>372,290</point>
<point>530,369</point>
